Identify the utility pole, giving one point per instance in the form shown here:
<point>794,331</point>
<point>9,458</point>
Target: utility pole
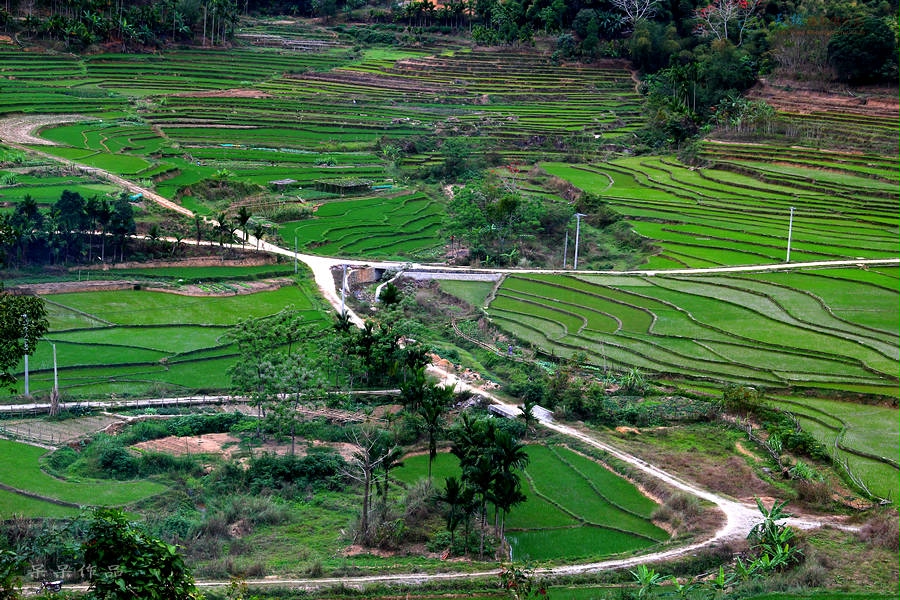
<point>566,249</point>
<point>25,319</point>
<point>295,255</point>
<point>790,231</point>
<point>343,287</point>
<point>577,235</point>
<point>54,394</point>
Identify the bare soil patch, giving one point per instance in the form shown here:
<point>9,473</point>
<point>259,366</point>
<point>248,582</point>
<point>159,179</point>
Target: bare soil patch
<point>221,444</point>
<point>233,93</point>
<point>227,445</point>
<point>795,97</point>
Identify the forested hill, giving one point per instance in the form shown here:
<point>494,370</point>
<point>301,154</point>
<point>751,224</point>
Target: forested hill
<point>695,56</point>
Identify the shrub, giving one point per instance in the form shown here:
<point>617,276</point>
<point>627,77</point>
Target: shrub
<point>143,431</point>
<point>228,478</point>
<point>272,473</point>
<point>60,460</point>
<point>152,463</point>
<point>814,493</point>
<point>200,424</point>
<point>144,567</point>
<point>12,567</point>
<point>177,526</point>
<point>117,462</point>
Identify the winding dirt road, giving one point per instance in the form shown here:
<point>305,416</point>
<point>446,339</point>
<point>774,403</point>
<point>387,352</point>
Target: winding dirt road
<point>739,518</point>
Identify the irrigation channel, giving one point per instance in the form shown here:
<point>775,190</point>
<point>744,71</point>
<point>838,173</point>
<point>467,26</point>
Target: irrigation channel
<point>739,517</point>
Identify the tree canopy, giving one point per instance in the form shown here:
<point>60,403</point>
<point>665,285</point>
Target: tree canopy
<point>23,321</point>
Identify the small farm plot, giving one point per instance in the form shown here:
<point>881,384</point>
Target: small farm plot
<point>129,342</point>
<point>20,470</point>
<point>53,432</point>
<point>576,508</point>
<point>755,329</point>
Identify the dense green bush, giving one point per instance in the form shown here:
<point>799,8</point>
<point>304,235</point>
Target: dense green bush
<point>155,463</point>
<point>117,462</point>
<point>60,460</point>
<point>864,50</point>
<point>129,563</point>
<point>201,424</point>
<point>273,473</point>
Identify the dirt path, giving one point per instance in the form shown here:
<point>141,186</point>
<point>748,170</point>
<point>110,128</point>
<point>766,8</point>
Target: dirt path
<point>21,129</point>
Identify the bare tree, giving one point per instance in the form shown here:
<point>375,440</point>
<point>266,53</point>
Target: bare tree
<point>635,10</point>
<point>373,447</point>
<point>723,18</point>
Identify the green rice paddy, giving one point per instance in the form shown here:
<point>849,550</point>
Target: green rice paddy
<point>576,508</point>
<point>20,469</point>
<point>132,341</point>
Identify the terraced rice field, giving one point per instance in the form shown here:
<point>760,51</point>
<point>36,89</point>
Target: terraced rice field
<point>139,342</point>
<point>862,437</point>
<point>576,508</point>
<point>737,212</point>
<point>389,227</point>
<point>833,329</point>
<point>269,114</point>
<point>815,333</point>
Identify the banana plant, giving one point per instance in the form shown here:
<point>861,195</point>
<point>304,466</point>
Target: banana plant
<point>648,579</point>
<point>682,590</point>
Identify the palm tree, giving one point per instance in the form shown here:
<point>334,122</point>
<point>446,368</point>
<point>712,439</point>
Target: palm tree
<point>454,496</point>
<point>259,231</point>
<point>198,228</point>
<point>390,462</point>
<point>528,415</point>
<point>434,404</point>
<point>243,217</point>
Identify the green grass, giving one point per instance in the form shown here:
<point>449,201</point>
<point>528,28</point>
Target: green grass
<point>17,505</point>
<point>581,542</point>
<point>473,292</point>
<point>158,308</point>
<point>20,469</point>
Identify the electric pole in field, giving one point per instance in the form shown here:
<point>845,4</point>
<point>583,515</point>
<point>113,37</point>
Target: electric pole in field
<point>577,235</point>
<point>25,328</point>
<point>54,393</point>
<point>343,288</point>
<point>790,231</point>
